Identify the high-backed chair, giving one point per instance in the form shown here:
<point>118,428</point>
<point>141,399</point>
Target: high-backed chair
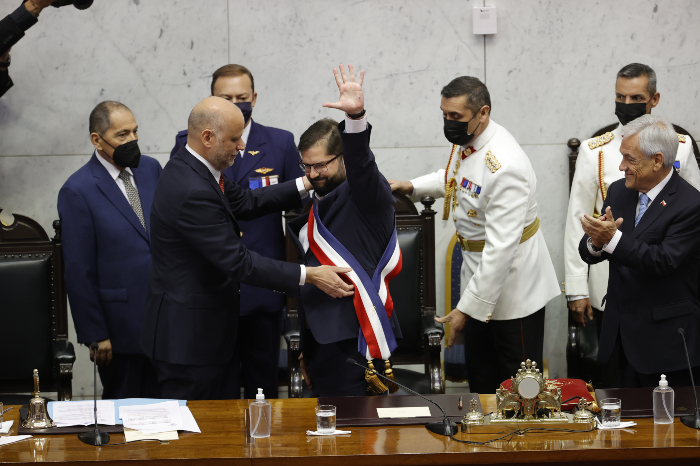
<point>582,342</point>
<point>33,312</point>
<point>413,293</point>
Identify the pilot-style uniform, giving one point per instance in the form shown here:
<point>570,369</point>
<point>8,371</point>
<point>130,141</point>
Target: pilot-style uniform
<point>507,275</point>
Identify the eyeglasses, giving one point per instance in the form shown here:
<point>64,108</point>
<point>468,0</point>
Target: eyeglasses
<point>320,168</point>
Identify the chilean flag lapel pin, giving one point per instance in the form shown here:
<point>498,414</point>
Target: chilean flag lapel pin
<point>663,203</point>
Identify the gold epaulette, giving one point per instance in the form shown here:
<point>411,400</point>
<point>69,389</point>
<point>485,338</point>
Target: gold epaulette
<point>601,140</point>
<point>681,137</point>
<point>492,162</point>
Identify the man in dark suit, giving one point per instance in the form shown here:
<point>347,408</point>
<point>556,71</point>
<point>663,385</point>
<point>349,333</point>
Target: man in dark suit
<point>198,258</point>
<point>356,206</point>
<point>270,157</point>
<point>105,212</point>
<point>654,259</point>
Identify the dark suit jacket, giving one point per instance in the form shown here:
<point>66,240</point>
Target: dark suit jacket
<point>266,148</point>
<point>107,253</point>
<point>360,214</point>
<point>652,289</point>
<point>198,262</point>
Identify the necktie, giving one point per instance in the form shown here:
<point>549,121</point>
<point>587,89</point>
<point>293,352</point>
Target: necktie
<point>133,196</point>
<point>221,182</point>
<point>643,203</point>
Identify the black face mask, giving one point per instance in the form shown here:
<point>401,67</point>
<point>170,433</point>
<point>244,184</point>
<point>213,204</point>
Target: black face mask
<point>126,155</point>
<point>629,112</point>
<point>456,131</point>
<point>246,109</point>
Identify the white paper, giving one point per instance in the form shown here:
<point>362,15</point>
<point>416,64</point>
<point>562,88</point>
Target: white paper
<point>153,418</point>
<point>6,426</point>
<point>188,422</point>
<point>335,432</point>
<point>131,435</point>
<point>420,411</point>
<point>13,439</point>
<point>622,425</point>
<point>82,413</point>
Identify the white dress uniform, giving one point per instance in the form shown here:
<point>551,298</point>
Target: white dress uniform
<point>507,272</point>
<point>597,167</point>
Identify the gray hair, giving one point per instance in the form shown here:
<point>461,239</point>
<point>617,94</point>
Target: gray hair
<point>636,70</point>
<point>201,119</point>
<point>655,135</point>
<point>100,116</point>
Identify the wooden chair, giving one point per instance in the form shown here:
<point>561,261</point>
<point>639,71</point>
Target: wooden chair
<point>413,292</point>
<point>582,342</point>
<point>33,312</point>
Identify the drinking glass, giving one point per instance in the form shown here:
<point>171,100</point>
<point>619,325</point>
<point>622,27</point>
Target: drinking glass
<point>611,410</point>
<point>325,419</point>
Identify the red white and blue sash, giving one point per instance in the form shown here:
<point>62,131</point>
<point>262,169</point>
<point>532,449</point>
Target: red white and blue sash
<point>372,300</point>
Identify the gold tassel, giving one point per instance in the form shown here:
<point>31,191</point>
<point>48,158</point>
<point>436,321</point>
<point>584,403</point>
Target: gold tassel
<point>374,385</point>
<point>389,374</point>
<point>448,198</point>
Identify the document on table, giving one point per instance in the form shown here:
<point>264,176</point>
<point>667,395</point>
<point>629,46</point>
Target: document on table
<point>419,411</point>
<point>82,413</point>
<point>131,435</point>
<point>13,439</point>
<point>153,418</point>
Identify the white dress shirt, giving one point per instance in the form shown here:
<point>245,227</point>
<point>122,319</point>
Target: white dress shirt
<point>653,192</point>
<point>244,136</point>
<point>114,173</point>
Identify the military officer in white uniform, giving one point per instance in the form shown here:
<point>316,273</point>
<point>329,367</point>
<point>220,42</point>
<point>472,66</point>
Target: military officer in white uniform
<point>597,167</point>
<point>507,275</point>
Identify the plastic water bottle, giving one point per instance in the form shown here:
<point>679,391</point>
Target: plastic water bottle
<point>663,402</point>
<point>260,412</point>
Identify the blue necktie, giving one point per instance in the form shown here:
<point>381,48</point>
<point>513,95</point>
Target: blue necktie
<point>643,203</point>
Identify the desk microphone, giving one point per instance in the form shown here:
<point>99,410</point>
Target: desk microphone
<point>446,427</point>
<point>95,437</point>
<point>691,420</point>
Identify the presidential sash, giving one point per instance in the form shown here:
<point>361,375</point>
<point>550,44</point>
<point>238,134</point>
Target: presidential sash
<point>372,300</point>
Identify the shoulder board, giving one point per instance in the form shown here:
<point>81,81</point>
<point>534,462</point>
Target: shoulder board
<point>601,140</point>
<point>681,137</point>
<point>492,162</point>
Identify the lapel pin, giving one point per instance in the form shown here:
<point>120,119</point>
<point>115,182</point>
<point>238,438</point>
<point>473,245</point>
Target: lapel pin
<point>253,152</point>
<point>663,203</point>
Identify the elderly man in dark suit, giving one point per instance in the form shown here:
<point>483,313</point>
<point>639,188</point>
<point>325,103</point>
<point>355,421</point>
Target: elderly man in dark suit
<point>199,260</point>
<point>654,259</point>
<point>105,212</point>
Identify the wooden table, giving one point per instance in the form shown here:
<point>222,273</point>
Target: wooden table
<point>222,441</point>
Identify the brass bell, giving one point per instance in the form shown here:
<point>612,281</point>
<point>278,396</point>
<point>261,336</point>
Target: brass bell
<point>37,416</point>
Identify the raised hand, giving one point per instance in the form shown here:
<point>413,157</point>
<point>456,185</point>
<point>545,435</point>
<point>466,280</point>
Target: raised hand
<point>351,99</point>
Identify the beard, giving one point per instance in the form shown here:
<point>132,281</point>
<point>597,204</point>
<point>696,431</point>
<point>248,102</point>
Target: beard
<point>325,185</point>
<point>220,158</point>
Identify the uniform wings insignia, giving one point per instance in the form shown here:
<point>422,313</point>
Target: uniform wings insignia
<point>263,170</point>
<point>601,140</point>
<point>253,152</point>
<point>492,162</point>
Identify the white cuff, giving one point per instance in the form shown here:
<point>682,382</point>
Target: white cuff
<point>576,297</point>
<point>355,126</point>
<point>302,278</point>
<point>302,189</point>
<point>610,247</point>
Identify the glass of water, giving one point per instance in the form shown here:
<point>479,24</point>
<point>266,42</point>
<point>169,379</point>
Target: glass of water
<point>611,410</point>
<point>325,419</point>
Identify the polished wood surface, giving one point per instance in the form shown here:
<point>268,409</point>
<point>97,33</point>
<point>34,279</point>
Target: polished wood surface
<point>222,441</point>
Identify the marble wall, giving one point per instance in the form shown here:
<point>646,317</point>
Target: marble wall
<point>550,69</point>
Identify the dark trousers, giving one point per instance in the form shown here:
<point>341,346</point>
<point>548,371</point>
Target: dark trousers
<point>185,382</point>
<point>609,376</point>
<point>494,350</point>
<point>630,378</point>
<point>128,376</point>
<point>255,362</point>
<point>330,374</point>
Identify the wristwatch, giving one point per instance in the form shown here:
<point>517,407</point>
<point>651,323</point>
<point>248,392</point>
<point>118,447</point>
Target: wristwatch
<point>358,115</point>
<point>592,248</point>
<point>5,64</point>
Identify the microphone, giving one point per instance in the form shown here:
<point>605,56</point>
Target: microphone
<point>446,427</point>
<point>95,437</point>
<point>691,420</point>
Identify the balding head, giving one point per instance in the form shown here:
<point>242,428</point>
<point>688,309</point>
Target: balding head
<point>214,131</point>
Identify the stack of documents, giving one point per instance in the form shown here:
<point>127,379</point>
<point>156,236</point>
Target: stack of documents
<point>82,413</point>
<point>153,418</point>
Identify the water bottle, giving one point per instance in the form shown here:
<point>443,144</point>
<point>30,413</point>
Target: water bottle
<point>663,402</point>
<point>260,412</point>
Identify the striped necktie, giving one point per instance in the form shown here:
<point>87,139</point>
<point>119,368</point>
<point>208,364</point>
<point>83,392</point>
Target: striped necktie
<point>643,204</point>
<point>221,182</point>
<point>133,197</point>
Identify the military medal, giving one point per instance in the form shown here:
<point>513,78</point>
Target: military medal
<point>470,188</point>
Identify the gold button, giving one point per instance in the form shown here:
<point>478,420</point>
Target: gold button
<point>241,234</point>
<point>454,218</point>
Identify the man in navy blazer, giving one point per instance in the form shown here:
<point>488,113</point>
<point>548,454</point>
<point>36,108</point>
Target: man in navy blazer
<point>271,157</point>
<point>654,259</point>
<point>105,212</point>
<point>199,260</point>
<point>356,205</point>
